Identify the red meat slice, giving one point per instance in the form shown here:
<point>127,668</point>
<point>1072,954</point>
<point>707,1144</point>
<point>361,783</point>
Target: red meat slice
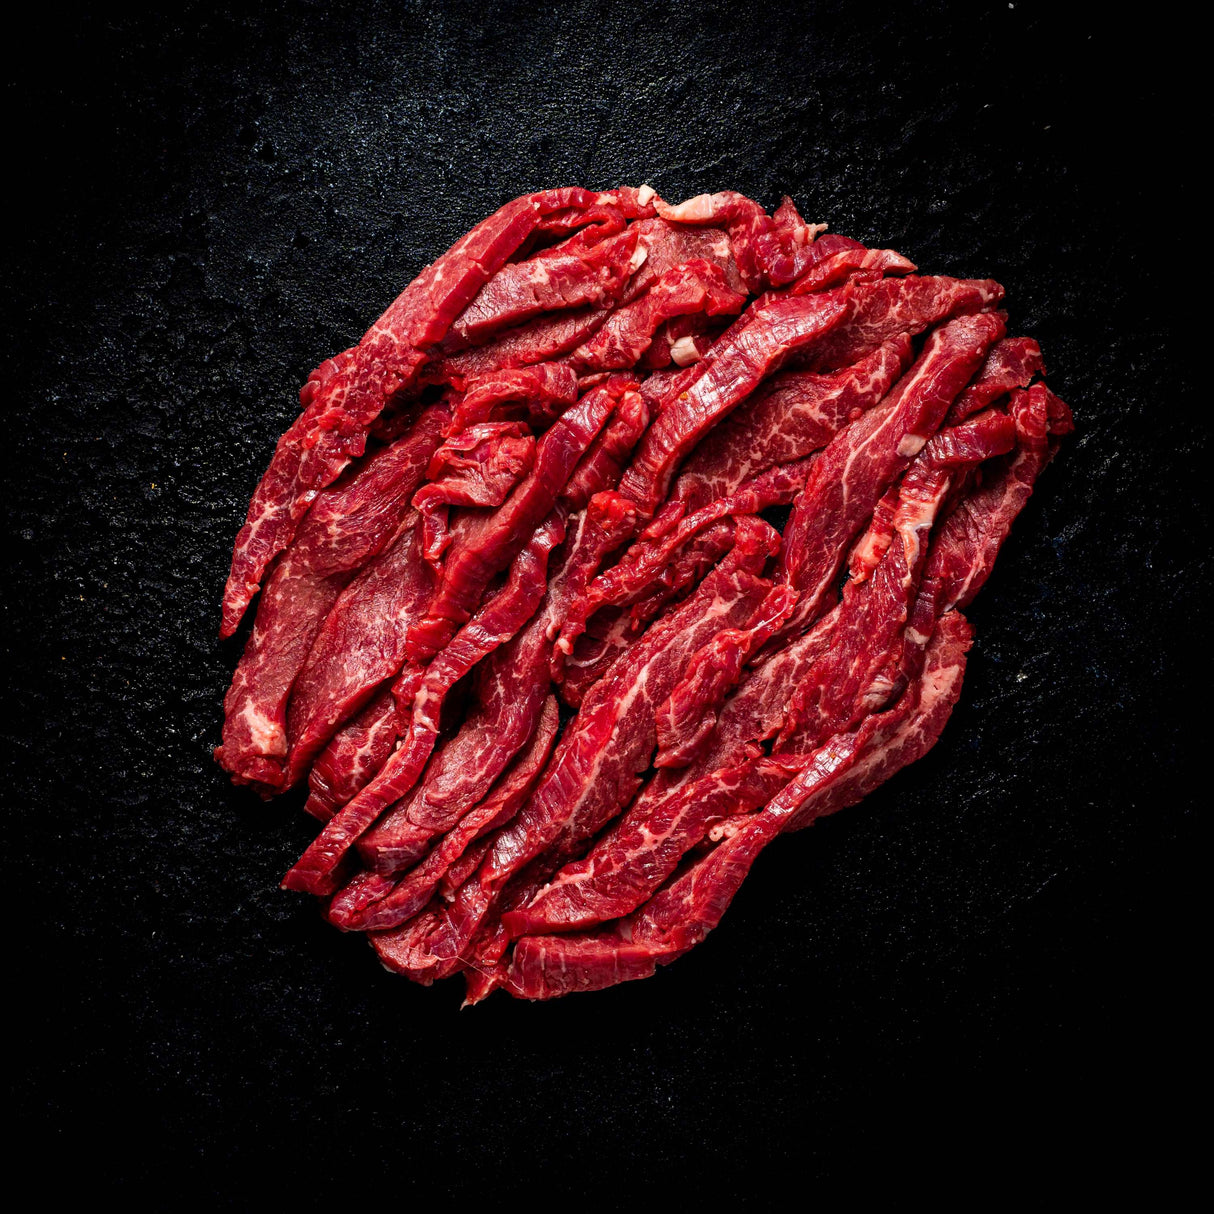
<point>1012,363</point>
<point>770,250</point>
<point>349,522</point>
<point>633,858</point>
<point>970,537</point>
<point>355,753</point>
<point>500,618</point>
<point>686,719</point>
<point>541,394</point>
<point>868,550</point>
<point>790,416</point>
<point>695,286</point>
<point>900,740</point>
<point>345,395</point>
<point>733,368</point>
<point>538,341</point>
<point>612,630</point>
<point>372,901</point>
<point>669,245</point>
<point>681,914</point>
<point>856,676</point>
<point>878,311</point>
<point>854,471</point>
<point>360,646</point>
<point>490,542</point>
<point>648,561</point>
<point>478,466</point>
<point>851,262</point>
<point>568,278</point>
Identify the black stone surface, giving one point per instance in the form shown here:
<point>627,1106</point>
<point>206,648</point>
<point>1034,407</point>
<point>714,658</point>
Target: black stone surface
<point>984,973</point>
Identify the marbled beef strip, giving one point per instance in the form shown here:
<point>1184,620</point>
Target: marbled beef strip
<point>511,686</point>
<point>373,901</point>
<point>862,461</point>
<point>880,310</point>
<point>490,541</point>
<point>684,911</point>
<point>732,369</point>
<point>1011,363</point>
<point>494,624</point>
<point>855,678</point>
<point>596,767</point>
<point>787,418</point>
<point>344,396</point>
<point>349,523</point>
<point>354,754</point>
<point>478,466</point>
<point>694,286</point>
<point>360,646</point>
<point>578,273</point>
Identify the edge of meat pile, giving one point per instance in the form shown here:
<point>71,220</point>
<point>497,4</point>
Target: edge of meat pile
<point>540,478</point>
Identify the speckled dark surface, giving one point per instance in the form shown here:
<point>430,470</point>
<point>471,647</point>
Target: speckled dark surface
<point>986,960</point>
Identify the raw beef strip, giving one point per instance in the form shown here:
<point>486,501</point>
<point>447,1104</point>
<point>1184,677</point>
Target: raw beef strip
<point>681,914</point>
<point>787,418</point>
<point>491,541</point>
<point>695,286</point>
<point>496,622</point>
<point>599,470</point>
<point>648,560</point>
<point>632,858</point>
<point>854,471</point>
<point>733,368</point>
<point>349,522</point>
<point>670,245</point>
<point>478,466</point>
<point>686,719</point>
<point>853,678</point>
<point>770,250</point>
<point>613,629</point>
<point>1012,363</point>
<point>568,278</point>
<point>851,262</point>
<point>910,737</point>
<point>878,311</point>
<point>963,554</point>
<point>360,646</point>
<point>355,753</point>
<point>868,550</point>
<point>373,902</point>
<point>540,393</point>
<point>538,341</point>
<point>344,396</point>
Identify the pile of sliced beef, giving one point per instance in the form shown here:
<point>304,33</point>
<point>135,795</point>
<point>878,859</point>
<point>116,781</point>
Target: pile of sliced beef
<point>550,676</point>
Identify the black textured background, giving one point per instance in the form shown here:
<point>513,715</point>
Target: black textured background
<point>984,973</point>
